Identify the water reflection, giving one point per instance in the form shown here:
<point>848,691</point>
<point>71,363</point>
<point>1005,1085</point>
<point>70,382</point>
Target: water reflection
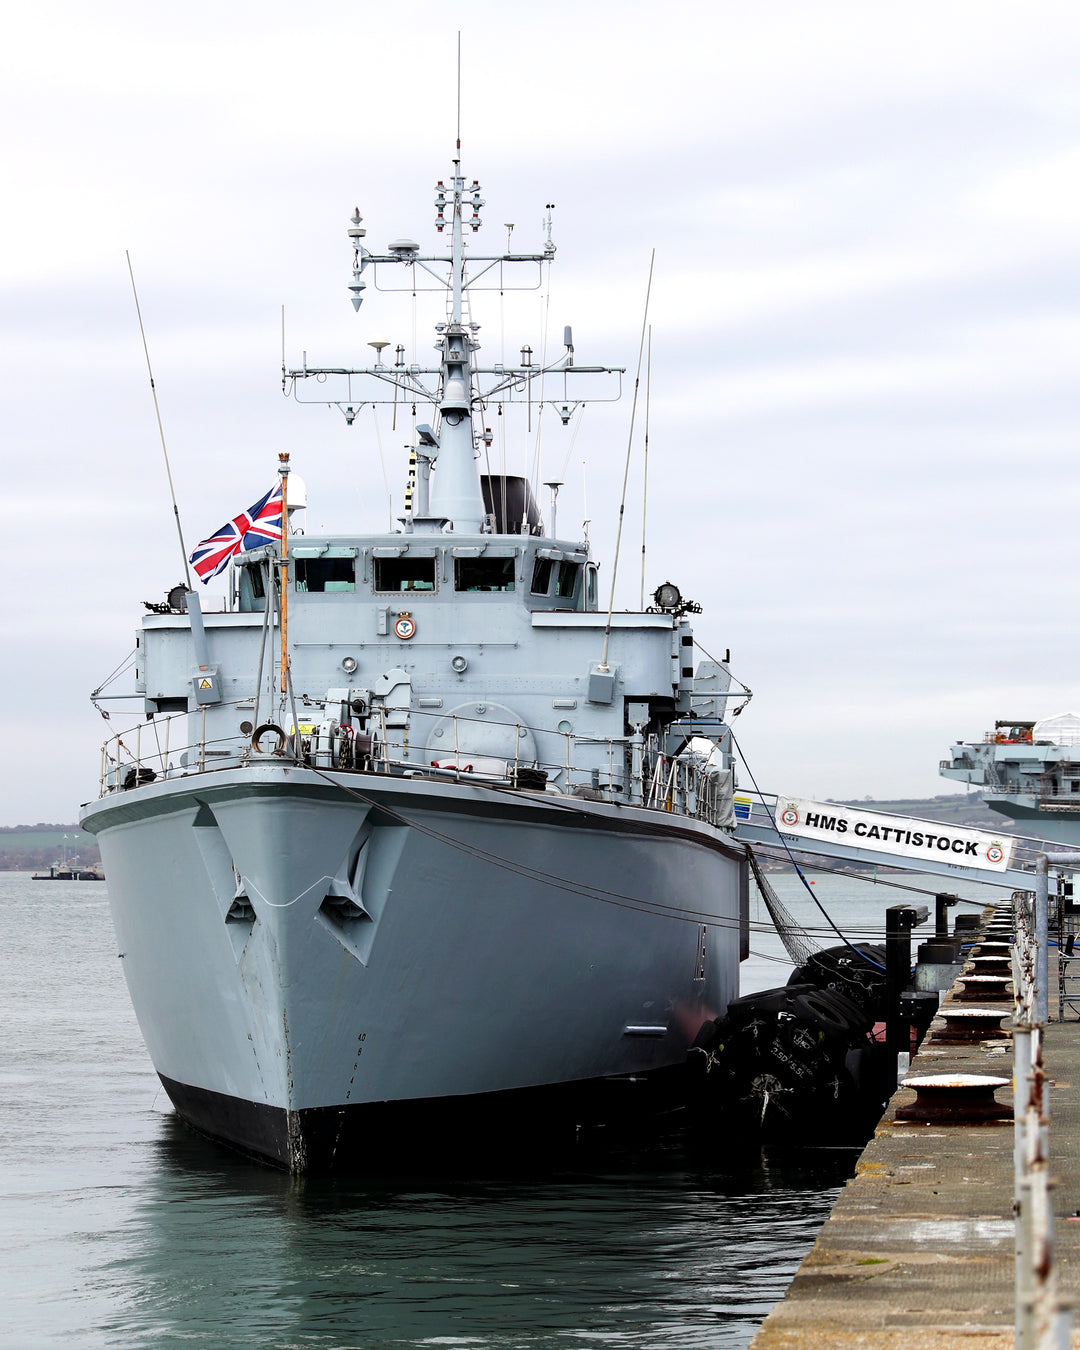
<point>640,1252</point>
<point>120,1228</point>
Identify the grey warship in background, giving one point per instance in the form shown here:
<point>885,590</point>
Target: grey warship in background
<point>1028,771</point>
<point>416,833</point>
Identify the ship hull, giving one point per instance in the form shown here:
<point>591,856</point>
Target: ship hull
<point>319,960</point>
<point>1039,822</point>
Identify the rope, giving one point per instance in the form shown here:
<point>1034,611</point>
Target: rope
<point>798,870</point>
<point>600,893</point>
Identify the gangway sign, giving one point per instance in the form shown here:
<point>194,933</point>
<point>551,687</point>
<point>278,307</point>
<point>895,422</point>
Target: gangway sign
<point>900,836</point>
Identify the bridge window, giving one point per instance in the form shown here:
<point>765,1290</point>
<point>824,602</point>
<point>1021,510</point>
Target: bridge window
<point>568,575</point>
<point>251,587</point>
<point>483,574</point>
<point>325,574</point>
<point>541,582</point>
<point>405,574</point>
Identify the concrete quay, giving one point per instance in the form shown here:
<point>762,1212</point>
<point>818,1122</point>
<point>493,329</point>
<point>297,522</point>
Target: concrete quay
<point>919,1248</point>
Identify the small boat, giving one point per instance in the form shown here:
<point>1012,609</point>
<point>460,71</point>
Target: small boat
<point>64,871</point>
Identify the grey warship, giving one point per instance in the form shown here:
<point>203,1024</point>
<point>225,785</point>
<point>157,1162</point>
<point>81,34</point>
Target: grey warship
<point>1029,771</point>
<point>418,832</point>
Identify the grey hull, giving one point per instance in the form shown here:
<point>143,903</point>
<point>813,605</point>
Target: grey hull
<point>301,946</point>
<point>1040,822</point>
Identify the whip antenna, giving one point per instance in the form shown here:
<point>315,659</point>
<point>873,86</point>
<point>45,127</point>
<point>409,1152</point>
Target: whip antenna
<point>645,472</point>
<point>626,470</point>
<point>161,429</point>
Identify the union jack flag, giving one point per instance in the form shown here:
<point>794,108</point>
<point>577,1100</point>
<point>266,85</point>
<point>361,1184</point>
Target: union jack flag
<point>259,524</point>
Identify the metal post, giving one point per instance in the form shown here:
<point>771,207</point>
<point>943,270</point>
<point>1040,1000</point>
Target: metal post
<point>636,795</point>
<point>942,904</point>
<point>1040,1324</point>
<point>899,921</point>
<point>1042,939</point>
<point>1024,1275</point>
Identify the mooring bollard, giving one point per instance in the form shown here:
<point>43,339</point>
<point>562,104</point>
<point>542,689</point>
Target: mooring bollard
<point>954,1099</point>
<point>970,1024</point>
<point>975,987</point>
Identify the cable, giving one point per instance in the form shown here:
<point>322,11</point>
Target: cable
<point>128,661</point>
<point>874,880</point>
<point>600,893</point>
<point>626,470</point>
<point>724,666</point>
<point>798,870</point>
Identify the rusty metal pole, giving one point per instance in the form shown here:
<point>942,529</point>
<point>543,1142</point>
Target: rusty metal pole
<point>1024,1271</point>
<point>1042,939</point>
<point>1039,1322</point>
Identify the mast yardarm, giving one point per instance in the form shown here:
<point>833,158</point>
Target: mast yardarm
<point>447,487</point>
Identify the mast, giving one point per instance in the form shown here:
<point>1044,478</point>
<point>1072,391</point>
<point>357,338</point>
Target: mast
<point>446,487</point>
<point>455,482</point>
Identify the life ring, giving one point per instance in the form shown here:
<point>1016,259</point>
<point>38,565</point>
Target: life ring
<point>261,731</point>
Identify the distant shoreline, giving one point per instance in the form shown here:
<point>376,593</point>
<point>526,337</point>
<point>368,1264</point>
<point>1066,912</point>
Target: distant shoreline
<point>34,848</point>
<point>31,848</point>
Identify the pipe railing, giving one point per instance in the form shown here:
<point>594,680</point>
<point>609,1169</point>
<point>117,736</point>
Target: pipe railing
<point>629,769</point>
<point>1041,1323</point>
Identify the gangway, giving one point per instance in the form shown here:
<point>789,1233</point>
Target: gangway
<point>756,817</point>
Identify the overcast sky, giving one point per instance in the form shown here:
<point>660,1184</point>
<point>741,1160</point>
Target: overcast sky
<point>864,321</point>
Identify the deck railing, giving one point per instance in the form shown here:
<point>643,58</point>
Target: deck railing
<point>632,770</point>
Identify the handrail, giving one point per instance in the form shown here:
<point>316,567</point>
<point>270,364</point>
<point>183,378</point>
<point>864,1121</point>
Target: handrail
<point>620,769</point>
<point>1041,1323</point>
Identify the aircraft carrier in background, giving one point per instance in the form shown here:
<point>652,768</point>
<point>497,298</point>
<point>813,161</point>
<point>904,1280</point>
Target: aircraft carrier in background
<point>1028,771</point>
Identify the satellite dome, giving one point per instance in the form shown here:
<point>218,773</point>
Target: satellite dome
<point>297,493</point>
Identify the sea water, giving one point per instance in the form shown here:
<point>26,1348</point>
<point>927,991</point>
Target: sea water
<point>119,1227</point>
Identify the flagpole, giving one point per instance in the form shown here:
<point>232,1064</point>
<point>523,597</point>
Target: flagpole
<point>283,600</point>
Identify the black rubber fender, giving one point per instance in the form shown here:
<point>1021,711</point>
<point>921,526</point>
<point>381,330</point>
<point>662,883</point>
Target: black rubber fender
<point>836,1014</point>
